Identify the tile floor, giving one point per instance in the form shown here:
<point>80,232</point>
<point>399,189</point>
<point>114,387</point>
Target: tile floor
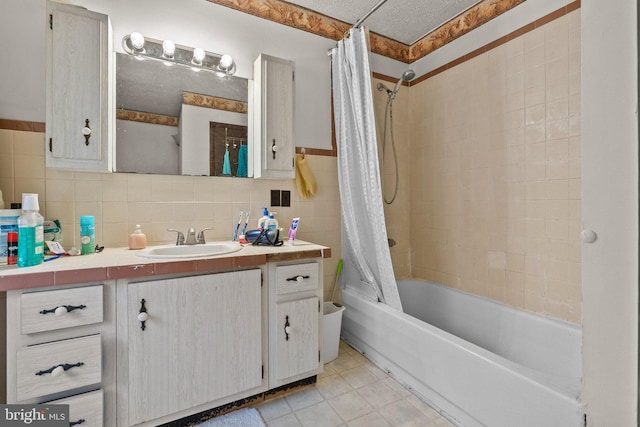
<point>351,392</point>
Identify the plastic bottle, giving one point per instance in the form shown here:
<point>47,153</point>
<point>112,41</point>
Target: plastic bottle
<point>12,247</point>
<point>137,239</point>
<point>263,219</point>
<point>87,234</point>
<point>30,232</point>
<point>271,224</point>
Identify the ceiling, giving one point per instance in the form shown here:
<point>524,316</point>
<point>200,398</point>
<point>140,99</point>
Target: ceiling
<point>406,21</point>
<point>404,30</point>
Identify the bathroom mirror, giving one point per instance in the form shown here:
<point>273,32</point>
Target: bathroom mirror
<point>171,119</point>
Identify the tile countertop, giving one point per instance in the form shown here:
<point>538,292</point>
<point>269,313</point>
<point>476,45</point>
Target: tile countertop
<point>121,263</point>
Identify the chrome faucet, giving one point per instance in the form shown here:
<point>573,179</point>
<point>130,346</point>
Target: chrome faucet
<point>200,239</point>
<point>180,239</point>
<point>191,238</point>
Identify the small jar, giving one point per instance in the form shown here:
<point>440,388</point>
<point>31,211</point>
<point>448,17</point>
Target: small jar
<point>87,234</point>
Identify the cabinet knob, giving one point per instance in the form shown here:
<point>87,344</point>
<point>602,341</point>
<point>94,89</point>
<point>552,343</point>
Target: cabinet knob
<point>62,310</point>
<point>299,278</point>
<point>274,148</point>
<point>57,371</point>
<point>287,328</point>
<point>142,315</point>
<point>86,132</point>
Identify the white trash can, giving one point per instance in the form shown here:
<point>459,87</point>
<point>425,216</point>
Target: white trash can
<point>332,324</point>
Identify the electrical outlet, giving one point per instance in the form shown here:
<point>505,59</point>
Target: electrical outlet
<point>286,198</point>
<point>275,197</point>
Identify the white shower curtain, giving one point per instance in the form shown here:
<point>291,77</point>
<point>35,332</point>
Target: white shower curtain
<point>365,249</point>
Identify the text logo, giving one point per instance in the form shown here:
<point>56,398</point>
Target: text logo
<point>34,415</point>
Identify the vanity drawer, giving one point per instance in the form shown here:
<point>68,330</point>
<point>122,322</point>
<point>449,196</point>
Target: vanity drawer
<point>37,309</point>
<point>84,409</point>
<point>32,361</point>
<point>296,278</point>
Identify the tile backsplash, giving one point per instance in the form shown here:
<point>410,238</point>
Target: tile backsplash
<point>119,201</point>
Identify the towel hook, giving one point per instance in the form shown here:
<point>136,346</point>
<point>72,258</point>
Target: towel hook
<point>302,151</point>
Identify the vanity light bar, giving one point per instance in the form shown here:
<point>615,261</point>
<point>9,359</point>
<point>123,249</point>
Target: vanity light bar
<point>141,47</point>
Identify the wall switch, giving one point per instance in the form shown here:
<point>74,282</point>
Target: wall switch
<point>275,197</point>
<point>286,198</point>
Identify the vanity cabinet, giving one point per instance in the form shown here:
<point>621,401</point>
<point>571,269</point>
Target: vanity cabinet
<point>147,349</point>
<point>201,344</point>
<point>59,349</point>
<point>78,73</point>
<point>295,301</point>
<point>274,148</point>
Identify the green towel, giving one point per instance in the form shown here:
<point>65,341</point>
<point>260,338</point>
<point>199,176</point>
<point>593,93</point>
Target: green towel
<point>242,161</point>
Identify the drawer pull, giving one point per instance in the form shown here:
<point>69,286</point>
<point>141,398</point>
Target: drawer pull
<point>57,370</point>
<point>75,423</point>
<point>297,278</point>
<point>61,310</point>
<point>287,328</point>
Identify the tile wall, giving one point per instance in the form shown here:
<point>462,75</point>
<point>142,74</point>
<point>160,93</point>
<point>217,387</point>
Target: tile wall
<point>492,168</point>
<point>157,202</point>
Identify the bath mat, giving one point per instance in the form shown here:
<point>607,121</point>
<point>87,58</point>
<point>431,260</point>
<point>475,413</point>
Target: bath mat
<point>247,417</point>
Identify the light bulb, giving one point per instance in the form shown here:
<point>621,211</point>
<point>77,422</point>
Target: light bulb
<point>137,40</point>
<point>168,48</point>
<point>198,55</point>
<point>226,61</point>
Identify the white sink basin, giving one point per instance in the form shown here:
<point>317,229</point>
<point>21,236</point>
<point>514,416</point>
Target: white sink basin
<point>190,251</point>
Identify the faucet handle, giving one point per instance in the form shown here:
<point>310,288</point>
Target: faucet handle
<point>200,239</point>
<point>180,239</point>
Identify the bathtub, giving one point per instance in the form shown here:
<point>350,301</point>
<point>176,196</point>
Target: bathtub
<point>478,362</point>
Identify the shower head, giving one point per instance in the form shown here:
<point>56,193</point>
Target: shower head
<point>407,76</point>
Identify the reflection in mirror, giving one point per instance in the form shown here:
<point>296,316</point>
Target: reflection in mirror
<point>164,115</point>
<point>228,144</point>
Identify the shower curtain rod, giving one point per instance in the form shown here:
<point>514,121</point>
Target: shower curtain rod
<point>373,9</point>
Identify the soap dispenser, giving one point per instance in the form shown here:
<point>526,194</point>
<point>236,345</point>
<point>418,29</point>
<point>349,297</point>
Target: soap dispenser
<point>262,221</point>
<point>137,239</point>
<point>271,224</point>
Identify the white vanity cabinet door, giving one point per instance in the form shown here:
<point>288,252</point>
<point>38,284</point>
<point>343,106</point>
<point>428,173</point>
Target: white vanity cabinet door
<point>202,341</point>
<point>78,61</point>
<point>297,349</point>
<point>274,147</point>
